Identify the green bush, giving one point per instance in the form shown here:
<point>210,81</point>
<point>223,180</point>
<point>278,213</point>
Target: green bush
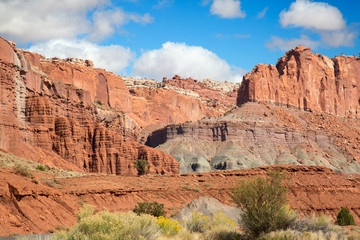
<point>142,166</point>
<point>41,168</point>
<point>108,226</point>
<point>154,208</point>
<point>344,217</point>
<point>263,201</point>
<point>99,102</point>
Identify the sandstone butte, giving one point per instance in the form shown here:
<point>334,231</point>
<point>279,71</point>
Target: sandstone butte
<point>307,81</point>
<point>271,127</point>
<point>56,122</point>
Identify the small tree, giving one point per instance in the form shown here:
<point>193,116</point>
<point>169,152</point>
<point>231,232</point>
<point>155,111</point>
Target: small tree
<point>344,217</point>
<point>263,201</point>
<point>154,208</point>
<point>142,166</point>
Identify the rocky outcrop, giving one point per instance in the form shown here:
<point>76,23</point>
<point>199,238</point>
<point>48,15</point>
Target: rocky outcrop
<point>57,123</point>
<point>262,134</point>
<point>307,81</point>
<point>218,95</point>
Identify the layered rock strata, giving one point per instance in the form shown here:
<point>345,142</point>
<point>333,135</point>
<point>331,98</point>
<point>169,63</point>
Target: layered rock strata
<point>261,134</point>
<point>57,123</point>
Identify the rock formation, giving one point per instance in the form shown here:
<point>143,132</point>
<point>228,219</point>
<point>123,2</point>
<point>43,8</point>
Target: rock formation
<point>307,81</point>
<point>220,95</point>
<point>57,123</point>
<point>274,132</point>
<point>262,134</point>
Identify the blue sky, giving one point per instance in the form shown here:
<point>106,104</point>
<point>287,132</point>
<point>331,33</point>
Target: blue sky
<point>218,39</point>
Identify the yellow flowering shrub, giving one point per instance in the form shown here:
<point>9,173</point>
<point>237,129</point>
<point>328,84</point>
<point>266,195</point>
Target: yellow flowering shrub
<point>168,226</point>
<point>220,219</point>
<point>198,223</point>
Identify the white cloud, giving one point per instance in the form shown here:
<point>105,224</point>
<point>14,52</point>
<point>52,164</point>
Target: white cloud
<point>106,22</point>
<point>312,15</point>
<point>23,21</point>
<point>38,20</point>
<point>339,38</point>
<point>113,58</point>
<point>186,61</point>
<point>262,13</point>
<point>227,9</point>
<point>319,18</point>
<point>286,44</point>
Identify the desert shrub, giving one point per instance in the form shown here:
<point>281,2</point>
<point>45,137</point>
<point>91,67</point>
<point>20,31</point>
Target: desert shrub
<point>297,235</point>
<point>41,168</point>
<point>263,201</point>
<point>99,102</point>
<point>142,166</point>
<point>344,217</point>
<point>154,208</point>
<point>313,224</point>
<point>222,233</point>
<point>168,226</point>
<point>220,219</point>
<point>198,223</point>
<point>22,170</point>
<point>108,226</point>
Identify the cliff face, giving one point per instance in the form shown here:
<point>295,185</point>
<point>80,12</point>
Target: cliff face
<point>57,123</point>
<point>262,134</point>
<point>307,81</point>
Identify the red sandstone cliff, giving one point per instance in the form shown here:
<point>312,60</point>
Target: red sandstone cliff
<point>56,122</point>
<point>307,81</point>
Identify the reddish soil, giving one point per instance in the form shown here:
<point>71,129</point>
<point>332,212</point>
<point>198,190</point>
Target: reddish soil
<point>30,207</point>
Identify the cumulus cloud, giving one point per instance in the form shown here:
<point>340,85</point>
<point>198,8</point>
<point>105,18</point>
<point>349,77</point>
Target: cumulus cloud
<point>312,15</point>
<point>38,20</point>
<point>113,58</point>
<point>286,44</point>
<point>227,9</point>
<point>320,18</point>
<point>186,61</point>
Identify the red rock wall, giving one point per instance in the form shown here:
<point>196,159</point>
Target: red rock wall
<point>307,81</point>
<point>55,123</point>
<point>102,85</point>
<point>154,107</point>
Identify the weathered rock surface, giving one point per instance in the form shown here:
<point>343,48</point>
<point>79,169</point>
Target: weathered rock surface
<point>262,134</point>
<point>218,95</point>
<point>56,122</point>
<point>38,208</point>
<point>307,81</point>
<point>156,104</point>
